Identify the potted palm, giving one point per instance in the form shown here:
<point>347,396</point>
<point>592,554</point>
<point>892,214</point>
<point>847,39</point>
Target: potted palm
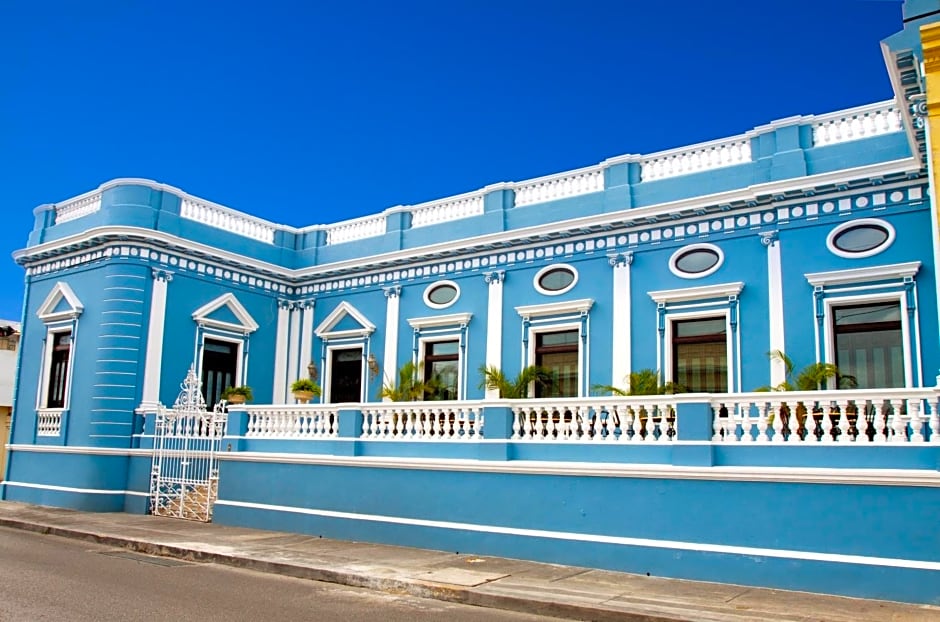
<point>304,390</point>
<point>237,395</point>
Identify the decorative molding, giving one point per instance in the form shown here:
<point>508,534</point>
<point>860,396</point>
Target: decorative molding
<point>343,309</point>
<point>620,260</point>
<point>392,292</point>
<point>720,290</point>
<point>494,277</point>
<point>861,222</point>
<point>565,307</point>
<point>61,291</point>
<point>246,324</point>
<point>767,238</point>
<point>160,274</point>
<point>434,321</point>
<point>892,272</point>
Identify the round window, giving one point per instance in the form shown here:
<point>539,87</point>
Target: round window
<point>696,261</point>
<point>860,238</point>
<point>554,280</point>
<point>441,294</point>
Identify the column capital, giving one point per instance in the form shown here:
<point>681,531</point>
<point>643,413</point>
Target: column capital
<point>160,274</point>
<point>495,277</point>
<point>620,260</point>
<point>768,238</point>
<point>393,291</point>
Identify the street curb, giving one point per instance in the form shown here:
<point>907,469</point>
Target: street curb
<point>416,588</point>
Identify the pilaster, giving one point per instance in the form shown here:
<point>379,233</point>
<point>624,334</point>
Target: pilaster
<point>620,331</point>
<point>154,361</point>
<point>494,323</point>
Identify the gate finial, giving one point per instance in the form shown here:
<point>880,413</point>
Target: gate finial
<point>190,399</point>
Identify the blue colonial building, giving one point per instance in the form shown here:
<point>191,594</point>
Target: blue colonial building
<point>813,236</point>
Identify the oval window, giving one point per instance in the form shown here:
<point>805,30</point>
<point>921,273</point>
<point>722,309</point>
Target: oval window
<point>441,294</point>
<point>554,280</point>
<point>696,261</point>
<point>860,238</point>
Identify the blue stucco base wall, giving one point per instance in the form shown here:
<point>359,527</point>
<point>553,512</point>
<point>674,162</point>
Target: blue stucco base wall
<point>856,540</point>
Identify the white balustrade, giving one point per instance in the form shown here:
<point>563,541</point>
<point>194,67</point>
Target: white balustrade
<point>78,207</point>
<point>49,422</point>
<point>863,122</point>
<point>869,416</point>
<point>697,158</point>
<point>303,421</point>
<point>228,219</point>
<point>603,420</point>
<point>431,421</point>
<point>358,229</point>
<point>446,210</point>
<point>560,186</point>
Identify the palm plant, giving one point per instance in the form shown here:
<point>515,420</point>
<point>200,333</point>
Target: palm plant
<point>813,377</point>
<point>515,388</point>
<point>641,382</point>
<point>409,388</point>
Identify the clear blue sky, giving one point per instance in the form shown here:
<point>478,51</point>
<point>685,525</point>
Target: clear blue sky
<point>312,112</point>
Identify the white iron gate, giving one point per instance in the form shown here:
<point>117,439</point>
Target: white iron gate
<point>184,475</point>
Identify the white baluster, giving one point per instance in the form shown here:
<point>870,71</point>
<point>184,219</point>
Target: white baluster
<point>917,424</point>
<point>516,423</point>
<point>762,423</point>
<point>844,436</point>
<point>827,423</point>
<point>747,422</point>
<point>898,425</point>
<point>717,425</point>
<point>935,422</point>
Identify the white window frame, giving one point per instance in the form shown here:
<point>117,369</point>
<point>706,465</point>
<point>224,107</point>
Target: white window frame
<point>694,247</point>
<point>436,328</point>
<point>550,326</point>
<point>435,285</point>
<point>241,366</point>
<point>52,330</point>
<point>554,266</point>
<point>884,224</point>
<point>704,314</point>
<point>424,341</point>
<point>829,338</point>
<point>360,345</point>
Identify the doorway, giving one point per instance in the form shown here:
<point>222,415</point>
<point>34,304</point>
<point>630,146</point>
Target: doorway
<point>345,375</point>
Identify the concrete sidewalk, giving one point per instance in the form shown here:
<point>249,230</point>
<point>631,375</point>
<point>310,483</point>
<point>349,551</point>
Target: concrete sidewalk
<point>547,589</point>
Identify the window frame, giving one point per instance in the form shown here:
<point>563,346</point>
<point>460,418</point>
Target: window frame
<point>669,362</point>
<point>858,222</point>
<point>436,305</point>
<point>549,268</point>
<point>426,343</point>
<point>556,327</point>
<point>688,248</point>
<point>217,335</point>
<point>331,347</point>
<point>52,332</point>
<point>537,335</point>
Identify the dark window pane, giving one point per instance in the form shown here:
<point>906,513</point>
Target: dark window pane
<point>556,279</point>
<point>442,294</point>
<point>860,238</point>
<point>694,328</point>
<point>442,347</point>
<point>697,260</point>
<point>868,344</point>
<point>558,353</point>
<point>867,314</point>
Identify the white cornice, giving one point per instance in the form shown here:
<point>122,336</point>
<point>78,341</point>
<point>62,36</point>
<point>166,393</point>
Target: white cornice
<point>720,290</point>
<point>502,238</point>
<point>61,291</point>
<point>897,272</point>
<point>562,307</point>
<point>435,321</point>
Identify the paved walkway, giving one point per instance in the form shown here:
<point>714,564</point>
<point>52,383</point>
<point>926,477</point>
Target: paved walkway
<point>547,589</point>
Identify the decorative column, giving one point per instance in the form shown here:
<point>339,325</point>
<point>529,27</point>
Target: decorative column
<point>293,348</point>
<point>778,370</point>
<point>154,361</point>
<point>926,113</point>
<point>280,353</point>
<point>390,358</point>
<point>306,337</point>
<point>620,331</point>
<point>494,324</point>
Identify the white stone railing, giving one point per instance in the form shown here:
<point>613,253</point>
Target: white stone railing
<point>610,419</point>
<point>358,229</point>
<point>446,210</point>
<point>306,421</point>
<point>433,421</point>
<point>49,421</point>
<point>560,186</point>
<point>696,158</point>
<point>230,220</point>
<point>78,207</point>
<point>868,416</point>
<point>861,122</point>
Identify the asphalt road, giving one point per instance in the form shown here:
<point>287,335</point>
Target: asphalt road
<point>52,578</point>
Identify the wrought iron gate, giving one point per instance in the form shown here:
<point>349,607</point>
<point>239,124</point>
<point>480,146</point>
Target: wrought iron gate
<point>184,475</point>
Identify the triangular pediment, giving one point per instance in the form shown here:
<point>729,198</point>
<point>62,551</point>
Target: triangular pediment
<point>225,313</point>
<point>344,321</point>
<point>60,304</point>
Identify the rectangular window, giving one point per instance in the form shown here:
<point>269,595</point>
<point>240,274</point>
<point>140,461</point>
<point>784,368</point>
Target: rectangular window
<point>59,369</point>
<point>868,344</point>
<point>558,353</point>
<point>700,355</point>
<point>345,375</point>
<point>441,370</point>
